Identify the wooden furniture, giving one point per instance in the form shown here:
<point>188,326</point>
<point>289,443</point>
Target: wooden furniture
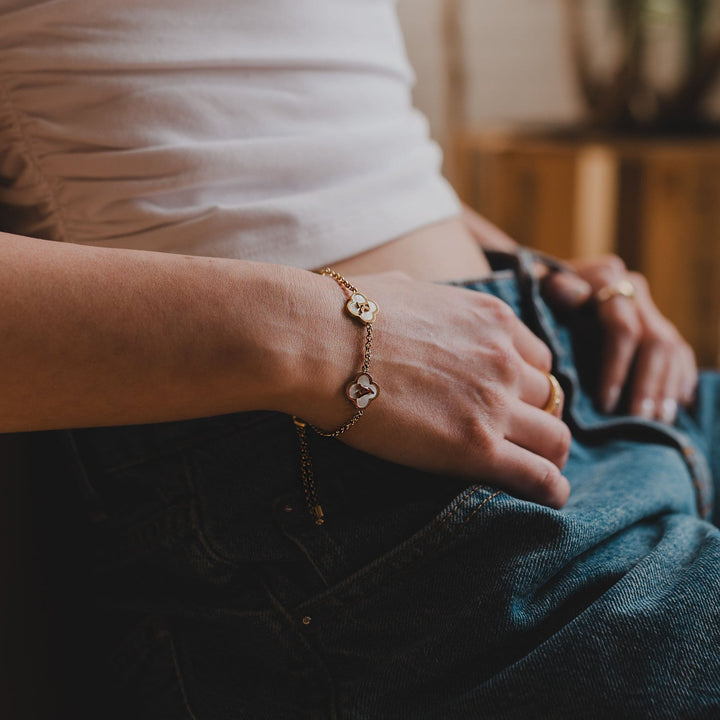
<point>656,202</point>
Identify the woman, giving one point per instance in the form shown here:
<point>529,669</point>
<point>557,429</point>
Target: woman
<point>246,565</point>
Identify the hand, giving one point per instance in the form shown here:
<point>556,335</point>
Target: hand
<point>643,351</point>
<point>462,385</point>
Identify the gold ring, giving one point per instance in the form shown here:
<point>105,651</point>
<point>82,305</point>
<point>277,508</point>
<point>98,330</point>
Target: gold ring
<point>556,395</point>
<point>623,287</point>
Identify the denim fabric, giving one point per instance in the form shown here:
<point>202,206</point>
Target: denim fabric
<point>421,596</point>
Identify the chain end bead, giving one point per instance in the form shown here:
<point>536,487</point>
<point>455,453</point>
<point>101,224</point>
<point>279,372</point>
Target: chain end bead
<point>317,511</point>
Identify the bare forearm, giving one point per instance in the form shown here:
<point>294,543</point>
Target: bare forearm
<point>94,336</point>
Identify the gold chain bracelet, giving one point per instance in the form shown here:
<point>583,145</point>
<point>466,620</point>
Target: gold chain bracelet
<point>361,391</point>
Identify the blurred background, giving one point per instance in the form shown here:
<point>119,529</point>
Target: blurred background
<point>586,126</point>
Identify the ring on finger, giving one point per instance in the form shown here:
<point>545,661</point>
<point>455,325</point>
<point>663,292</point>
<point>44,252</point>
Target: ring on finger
<point>623,287</point>
<point>556,395</point>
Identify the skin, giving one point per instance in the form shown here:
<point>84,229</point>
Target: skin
<point>642,349</point>
<point>462,387</point>
<point>109,337</point>
<point>645,357</point>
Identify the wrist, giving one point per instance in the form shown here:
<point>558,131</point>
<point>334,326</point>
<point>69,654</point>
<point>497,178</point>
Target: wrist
<point>319,354</point>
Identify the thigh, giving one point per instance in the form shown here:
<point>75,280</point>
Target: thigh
<point>609,608</point>
<point>421,596</point>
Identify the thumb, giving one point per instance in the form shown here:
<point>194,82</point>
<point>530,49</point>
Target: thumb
<point>566,290</point>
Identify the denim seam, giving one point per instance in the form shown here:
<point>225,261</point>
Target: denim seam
<point>306,542</point>
<point>209,549</point>
<point>369,574</point>
<point>94,503</point>
<point>303,550</point>
<point>179,677</point>
<point>196,518</point>
<point>135,533</point>
<point>579,617</point>
<point>424,533</point>
<point>286,618</point>
<point>666,437</point>
<point>481,506</point>
<point>171,524</point>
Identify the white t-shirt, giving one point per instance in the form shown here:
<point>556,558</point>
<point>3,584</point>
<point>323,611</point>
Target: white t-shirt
<point>271,130</point>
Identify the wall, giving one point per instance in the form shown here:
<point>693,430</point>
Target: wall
<point>516,60</point>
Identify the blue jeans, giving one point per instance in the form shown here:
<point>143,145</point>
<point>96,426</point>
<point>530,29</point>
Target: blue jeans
<point>421,596</point>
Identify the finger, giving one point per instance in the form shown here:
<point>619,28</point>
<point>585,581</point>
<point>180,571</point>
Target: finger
<point>531,348</point>
<point>540,432</point>
<point>685,355</point>
<point>672,389</point>
<point>690,376</point>
<point>536,389</point>
<point>527,475</point>
<point>566,290</point>
<point>601,271</point>
<point>648,381</point>
<point>622,333</point>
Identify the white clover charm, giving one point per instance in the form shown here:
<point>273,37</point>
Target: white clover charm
<point>362,308</point>
<point>362,391</point>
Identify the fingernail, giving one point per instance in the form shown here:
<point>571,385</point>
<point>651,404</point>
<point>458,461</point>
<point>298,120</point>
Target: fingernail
<point>668,410</point>
<point>647,408</point>
<point>610,400</point>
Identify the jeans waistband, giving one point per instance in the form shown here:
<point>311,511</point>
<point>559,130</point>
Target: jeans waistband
<point>576,345</point>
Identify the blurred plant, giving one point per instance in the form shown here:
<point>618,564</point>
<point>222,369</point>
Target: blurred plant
<point>626,99</point>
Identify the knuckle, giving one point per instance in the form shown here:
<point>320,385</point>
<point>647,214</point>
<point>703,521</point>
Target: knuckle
<point>500,348</point>
<point>479,439</point>
<point>627,326</point>
<point>508,364</point>
<point>545,359</point>
<point>501,312</point>
<point>614,263</point>
<point>662,345</point>
<point>638,280</point>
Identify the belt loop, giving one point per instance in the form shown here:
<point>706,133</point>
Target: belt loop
<point>529,287</point>
<point>536,314</point>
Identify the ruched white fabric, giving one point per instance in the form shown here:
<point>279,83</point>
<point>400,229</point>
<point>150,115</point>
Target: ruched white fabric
<point>271,130</point>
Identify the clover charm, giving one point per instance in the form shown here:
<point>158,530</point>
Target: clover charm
<point>362,308</point>
<point>362,391</point>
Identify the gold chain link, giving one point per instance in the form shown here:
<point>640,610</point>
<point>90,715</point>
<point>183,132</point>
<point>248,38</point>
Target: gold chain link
<point>328,272</point>
<point>306,468</point>
<point>308,478</point>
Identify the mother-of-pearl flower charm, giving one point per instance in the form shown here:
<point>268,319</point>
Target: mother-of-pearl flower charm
<point>362,308</point>
<point>362,391</point>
